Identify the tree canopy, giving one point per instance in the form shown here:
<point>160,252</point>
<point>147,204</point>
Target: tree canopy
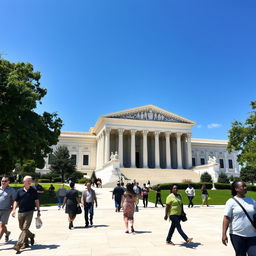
<point>242,138</point>
<point>24,134</point>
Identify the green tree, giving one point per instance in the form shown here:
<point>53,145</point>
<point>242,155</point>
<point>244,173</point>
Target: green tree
<point>206,177</point>
<point>223,178</point>
<point>242,138</point>
<point>248,174</point>
<point>61,163</point>
<point>24,134</point>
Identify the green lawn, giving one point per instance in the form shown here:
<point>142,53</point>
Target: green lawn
<point>47,198</point>
<point>217,197</point>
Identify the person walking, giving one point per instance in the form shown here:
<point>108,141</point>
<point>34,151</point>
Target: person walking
<point>61,193</point>
<point>71,201</point>
<point>204,195</point>
<point>144,193</point>
<point>158,196</point>
<point>38,187</point>
<point>7,197</point>
<point>173,211</point>
<point>239,217</point>
<point>137,191</point>
<point>27,200</point>
<point>88,200</point>
<point>117,195</point>
<point>128,205</point>
<point>190,191</point>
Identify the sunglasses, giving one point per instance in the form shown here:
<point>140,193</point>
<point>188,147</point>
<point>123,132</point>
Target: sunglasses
<point>4,180</point>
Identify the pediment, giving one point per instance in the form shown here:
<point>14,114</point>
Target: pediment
<point>149,113</point>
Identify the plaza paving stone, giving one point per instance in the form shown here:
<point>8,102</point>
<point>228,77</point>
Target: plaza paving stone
<point>107,237</point>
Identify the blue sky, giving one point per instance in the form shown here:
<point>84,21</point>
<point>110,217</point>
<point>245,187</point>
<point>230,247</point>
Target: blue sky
<point>194,58</point>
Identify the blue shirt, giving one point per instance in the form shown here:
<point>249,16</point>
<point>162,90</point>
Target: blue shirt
<point>7,196</point>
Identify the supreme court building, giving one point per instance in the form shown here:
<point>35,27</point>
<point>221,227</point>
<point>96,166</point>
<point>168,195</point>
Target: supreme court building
<point>146,143</point>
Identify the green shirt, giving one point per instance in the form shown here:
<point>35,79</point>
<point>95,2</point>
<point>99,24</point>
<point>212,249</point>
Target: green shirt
<point>175,204</point>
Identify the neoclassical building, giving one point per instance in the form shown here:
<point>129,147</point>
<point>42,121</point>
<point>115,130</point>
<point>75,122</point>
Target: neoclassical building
<point>146,143</point>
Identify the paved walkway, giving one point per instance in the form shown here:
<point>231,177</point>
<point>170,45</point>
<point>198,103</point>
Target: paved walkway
<point>107,236</point>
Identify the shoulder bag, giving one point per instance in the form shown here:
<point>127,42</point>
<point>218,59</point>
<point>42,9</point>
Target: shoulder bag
<point>183,216</point>
<point>246,213</point>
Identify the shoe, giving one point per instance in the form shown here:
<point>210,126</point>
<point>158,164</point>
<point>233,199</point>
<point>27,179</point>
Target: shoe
<point>126,231</point>
<point>91,223</point>
<point>189,240</point>
<point>170,242</point>
<point>132,229</point>
<point>24,246</point>
<point>32,239</point>
<point>7,236</point>
<point>16,247</point>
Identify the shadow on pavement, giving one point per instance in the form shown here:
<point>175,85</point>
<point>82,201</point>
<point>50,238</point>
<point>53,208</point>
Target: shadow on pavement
<point>93,226</point>
<point>142,232</point>
<point>191,245</point>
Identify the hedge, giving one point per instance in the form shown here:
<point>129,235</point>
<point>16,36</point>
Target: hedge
<point>166,186</point>
<point>83,180</point>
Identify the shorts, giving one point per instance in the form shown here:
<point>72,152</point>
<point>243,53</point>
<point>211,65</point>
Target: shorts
<point>204,197</point>
<point>4,216</point>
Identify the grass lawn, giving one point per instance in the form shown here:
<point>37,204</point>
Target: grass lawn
<point>47,198</point>
<point>217,197</point>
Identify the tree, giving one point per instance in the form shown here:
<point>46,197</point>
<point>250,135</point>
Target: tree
<point>24,134</point>
<point>242,138</point>
<point>61,163</point>
<point>223,178</point>
<point>248,174</point>
<point>206,177</point>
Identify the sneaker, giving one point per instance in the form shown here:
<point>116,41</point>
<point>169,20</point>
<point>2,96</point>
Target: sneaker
<point>32,239</point>
<point>170,242</point>
<point>7,236</point>
<point>126,231</point>
<point>132,229</point>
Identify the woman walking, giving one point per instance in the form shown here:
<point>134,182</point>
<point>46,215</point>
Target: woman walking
<point>204,195</point>
<point>174,210</point>
<point>242,230</point>
<point>144,193</point>
<point>71,201</point>
<point>128,205</point>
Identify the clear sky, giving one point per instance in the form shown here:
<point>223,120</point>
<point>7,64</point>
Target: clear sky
<point>194,58</point>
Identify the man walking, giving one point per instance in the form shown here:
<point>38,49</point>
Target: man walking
<point>7,197</point>
<point>117,195</point>
<point>88,199</point>
<point>61,193</point>
<point>26,199</point>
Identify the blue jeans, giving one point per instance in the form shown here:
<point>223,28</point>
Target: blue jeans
<point>60,201</point>
<point>118,204</point>
<point>88,210</point>
<point>175,224</point>
<point>243,245</point>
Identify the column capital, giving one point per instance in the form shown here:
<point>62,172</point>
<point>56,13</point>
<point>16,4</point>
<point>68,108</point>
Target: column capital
<point>107,130</point>
<point>120,131</point>
<point>156,133</point>
<point>178,134</point>
<point>189,135</point>
<point>133,131</point>
<point>145,132</point>
<point>167,134</point>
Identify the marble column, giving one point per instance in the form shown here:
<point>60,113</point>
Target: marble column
<point>157,156</point>
<point>189,151</point>
<point>98,153</point>
<point>198,158</point>
<point>179,158</point>
<point>133,148</point>
<point>168,151</point>
<point>226,162</point>
<point>145,149</point>
<point>120,146</point>
<point>107,145</point>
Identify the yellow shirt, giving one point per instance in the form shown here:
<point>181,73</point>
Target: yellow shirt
<point>175,204</point>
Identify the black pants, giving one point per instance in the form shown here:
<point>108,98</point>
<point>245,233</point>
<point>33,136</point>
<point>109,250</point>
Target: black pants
<point>158,199</point>
<point>190,198</point>
<point>175,224</point>
<point>244,245</point>
<point>88,212</point>
<point>145,200</point>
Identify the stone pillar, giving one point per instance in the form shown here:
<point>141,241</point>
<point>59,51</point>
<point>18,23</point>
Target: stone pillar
<point>189,151</point>
<point>98,153</point>
<point>157,156</point>
<point>145,149</point>
<point>107,145</point>
<point>120,146</point>
<point>168,151</point>
<point>133,148</point>
<point>179,158</point>
<point>226,162</point>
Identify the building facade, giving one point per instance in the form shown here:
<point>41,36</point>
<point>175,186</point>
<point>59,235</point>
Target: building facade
<point>146,137</point>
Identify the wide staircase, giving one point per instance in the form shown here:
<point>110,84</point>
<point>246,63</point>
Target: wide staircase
<point>157,176</point>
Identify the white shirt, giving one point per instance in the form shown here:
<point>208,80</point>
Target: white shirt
<point>239,223</point>
<point>190,191</point>
<point>89,198</point>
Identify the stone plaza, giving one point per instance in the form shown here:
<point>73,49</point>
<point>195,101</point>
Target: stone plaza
<point>107,238</point>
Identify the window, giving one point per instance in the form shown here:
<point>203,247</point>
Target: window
<point>202,161</point>
<point>85,159</point>
<point>193,161</point>
<point>73,159</point>
<point>230,164</point>
<point>50,158</point>
<point>221,163</point>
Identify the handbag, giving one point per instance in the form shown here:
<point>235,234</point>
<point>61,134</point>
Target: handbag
<point>246,213</point>
<point>38,222</point>
<point>183,216</point>
<point>78,209</point>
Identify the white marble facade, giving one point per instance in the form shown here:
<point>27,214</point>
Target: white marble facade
<point>145,137</point>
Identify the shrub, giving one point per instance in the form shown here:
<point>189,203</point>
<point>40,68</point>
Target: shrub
<point>44,181</point>
<point>223,178</point>
<point>206,177</point>
<point>83,180</point>
<point>75,176</point>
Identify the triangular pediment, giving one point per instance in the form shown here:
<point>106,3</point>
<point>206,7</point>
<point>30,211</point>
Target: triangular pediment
<point>149,113</point>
